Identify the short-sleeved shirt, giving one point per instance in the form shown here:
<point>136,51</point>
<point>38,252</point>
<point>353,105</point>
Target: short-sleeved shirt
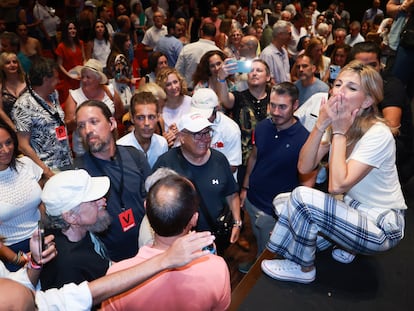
<point>380,187</point>
<point>214,180</point>
<point>276,165</point>
<point>32,116</point>
<point>278,62</point>
<point>153,34</point>
<point>306,92</point>
<point>158,146</point>
<point>247,112</point>
<point>209,275</point>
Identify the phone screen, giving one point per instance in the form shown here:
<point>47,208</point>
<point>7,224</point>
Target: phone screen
<point>244,66</point>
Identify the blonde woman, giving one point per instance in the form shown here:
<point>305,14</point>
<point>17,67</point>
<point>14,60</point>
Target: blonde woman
<point>12,85</point>
<point>370,218</point>
<point>177,103</point>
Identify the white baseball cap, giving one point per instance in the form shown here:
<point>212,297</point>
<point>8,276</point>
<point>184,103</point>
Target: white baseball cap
<point>66,190</point>
<point>90,3</point>
<point>193,122</point>
<point>203,101</point>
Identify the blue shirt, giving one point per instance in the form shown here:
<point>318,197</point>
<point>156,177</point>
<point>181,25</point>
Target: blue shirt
<point>275,170</point>
<point>171,47</point>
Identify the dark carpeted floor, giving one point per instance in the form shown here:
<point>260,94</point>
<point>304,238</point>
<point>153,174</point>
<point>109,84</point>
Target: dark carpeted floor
<point>381,282</point>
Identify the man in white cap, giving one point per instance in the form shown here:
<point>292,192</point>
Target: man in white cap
<point>227,136</point>
<point>75,208</point>
<point>209,171</point>
<point>20,291</point>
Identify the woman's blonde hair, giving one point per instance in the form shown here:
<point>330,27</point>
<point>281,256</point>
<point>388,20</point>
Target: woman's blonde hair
<point>372,85</point>
<point>314,42</point>
<point>162,77</point>
<point>4,57</point>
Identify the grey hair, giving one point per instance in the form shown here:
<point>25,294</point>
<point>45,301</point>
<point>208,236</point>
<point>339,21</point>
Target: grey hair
<point>160,173</point>
<point>58,222</point>
<point>280,27</point>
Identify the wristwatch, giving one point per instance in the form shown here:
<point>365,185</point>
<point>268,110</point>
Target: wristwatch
<point>238,223</point>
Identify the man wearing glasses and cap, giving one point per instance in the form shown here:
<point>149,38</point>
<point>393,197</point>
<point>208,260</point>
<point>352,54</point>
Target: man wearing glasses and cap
<point>75,210</point>
<point>227,136</point>
<point>209,171</point>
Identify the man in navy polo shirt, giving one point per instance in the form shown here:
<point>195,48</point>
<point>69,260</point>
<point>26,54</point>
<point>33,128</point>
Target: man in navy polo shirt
<point>272,165</point>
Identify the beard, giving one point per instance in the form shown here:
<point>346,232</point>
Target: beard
<point>101,224</point>
<point>96,146</point>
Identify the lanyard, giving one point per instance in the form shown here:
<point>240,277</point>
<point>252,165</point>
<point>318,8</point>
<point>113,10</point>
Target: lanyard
<point>40,101</point>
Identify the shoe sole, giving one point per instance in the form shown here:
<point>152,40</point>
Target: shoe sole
<point>268,272</point>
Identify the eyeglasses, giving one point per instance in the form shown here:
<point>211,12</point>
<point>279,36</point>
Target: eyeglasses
<point>200,135</point>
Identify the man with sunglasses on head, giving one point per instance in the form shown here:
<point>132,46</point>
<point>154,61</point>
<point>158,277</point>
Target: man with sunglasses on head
<point>209,171</point>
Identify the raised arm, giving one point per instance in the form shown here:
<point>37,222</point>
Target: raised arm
<point>315,148</point>
<point>394,7</point>
<point>183,251</point>
<point>225,97</point>
<point>343,174</point>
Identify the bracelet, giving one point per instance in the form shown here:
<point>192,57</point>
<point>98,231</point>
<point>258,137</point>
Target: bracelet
<point>237,223</point>
<point>318,128</point>
<point>33,264</point>
<point>19,258</point>
<point>338,133</point>
<point>220,80</point>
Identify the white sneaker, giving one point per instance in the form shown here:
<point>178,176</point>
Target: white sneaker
<point>286,270</point>
<point>342,255</point>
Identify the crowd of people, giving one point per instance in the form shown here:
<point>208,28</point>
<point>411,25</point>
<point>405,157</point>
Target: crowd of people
<point>125,125</point>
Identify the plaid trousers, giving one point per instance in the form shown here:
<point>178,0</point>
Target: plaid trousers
<point>311,220</point>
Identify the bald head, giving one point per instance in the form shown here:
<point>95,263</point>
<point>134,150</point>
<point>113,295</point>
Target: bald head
<point>171,203</point>
<point>15,296</point>
<point>248,46</point>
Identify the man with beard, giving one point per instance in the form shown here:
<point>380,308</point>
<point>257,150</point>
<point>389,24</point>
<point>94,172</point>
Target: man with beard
<point>75,209</point>
<point>272,164</point>
<point>307,83</point>
<point>127,169</point>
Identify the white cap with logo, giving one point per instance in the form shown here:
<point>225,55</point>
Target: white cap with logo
<point>193,122</point>
<point>67,189</point>
<point>203,101</point>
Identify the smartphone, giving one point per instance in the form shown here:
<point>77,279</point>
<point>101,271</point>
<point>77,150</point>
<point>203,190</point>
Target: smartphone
<point>41,232</point>
<point>334,71</point>
<point>211,248</point>
<point>244,66</point>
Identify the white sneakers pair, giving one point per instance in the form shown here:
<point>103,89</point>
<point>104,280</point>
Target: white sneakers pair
<point>286,270</point>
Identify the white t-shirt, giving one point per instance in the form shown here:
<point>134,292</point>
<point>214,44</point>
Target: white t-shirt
<point>19,200</point>
<point>172,116</point>
<point>380,187</point>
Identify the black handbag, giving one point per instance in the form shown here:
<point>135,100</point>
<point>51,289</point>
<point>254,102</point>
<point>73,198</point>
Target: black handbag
<point>224,222</point>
